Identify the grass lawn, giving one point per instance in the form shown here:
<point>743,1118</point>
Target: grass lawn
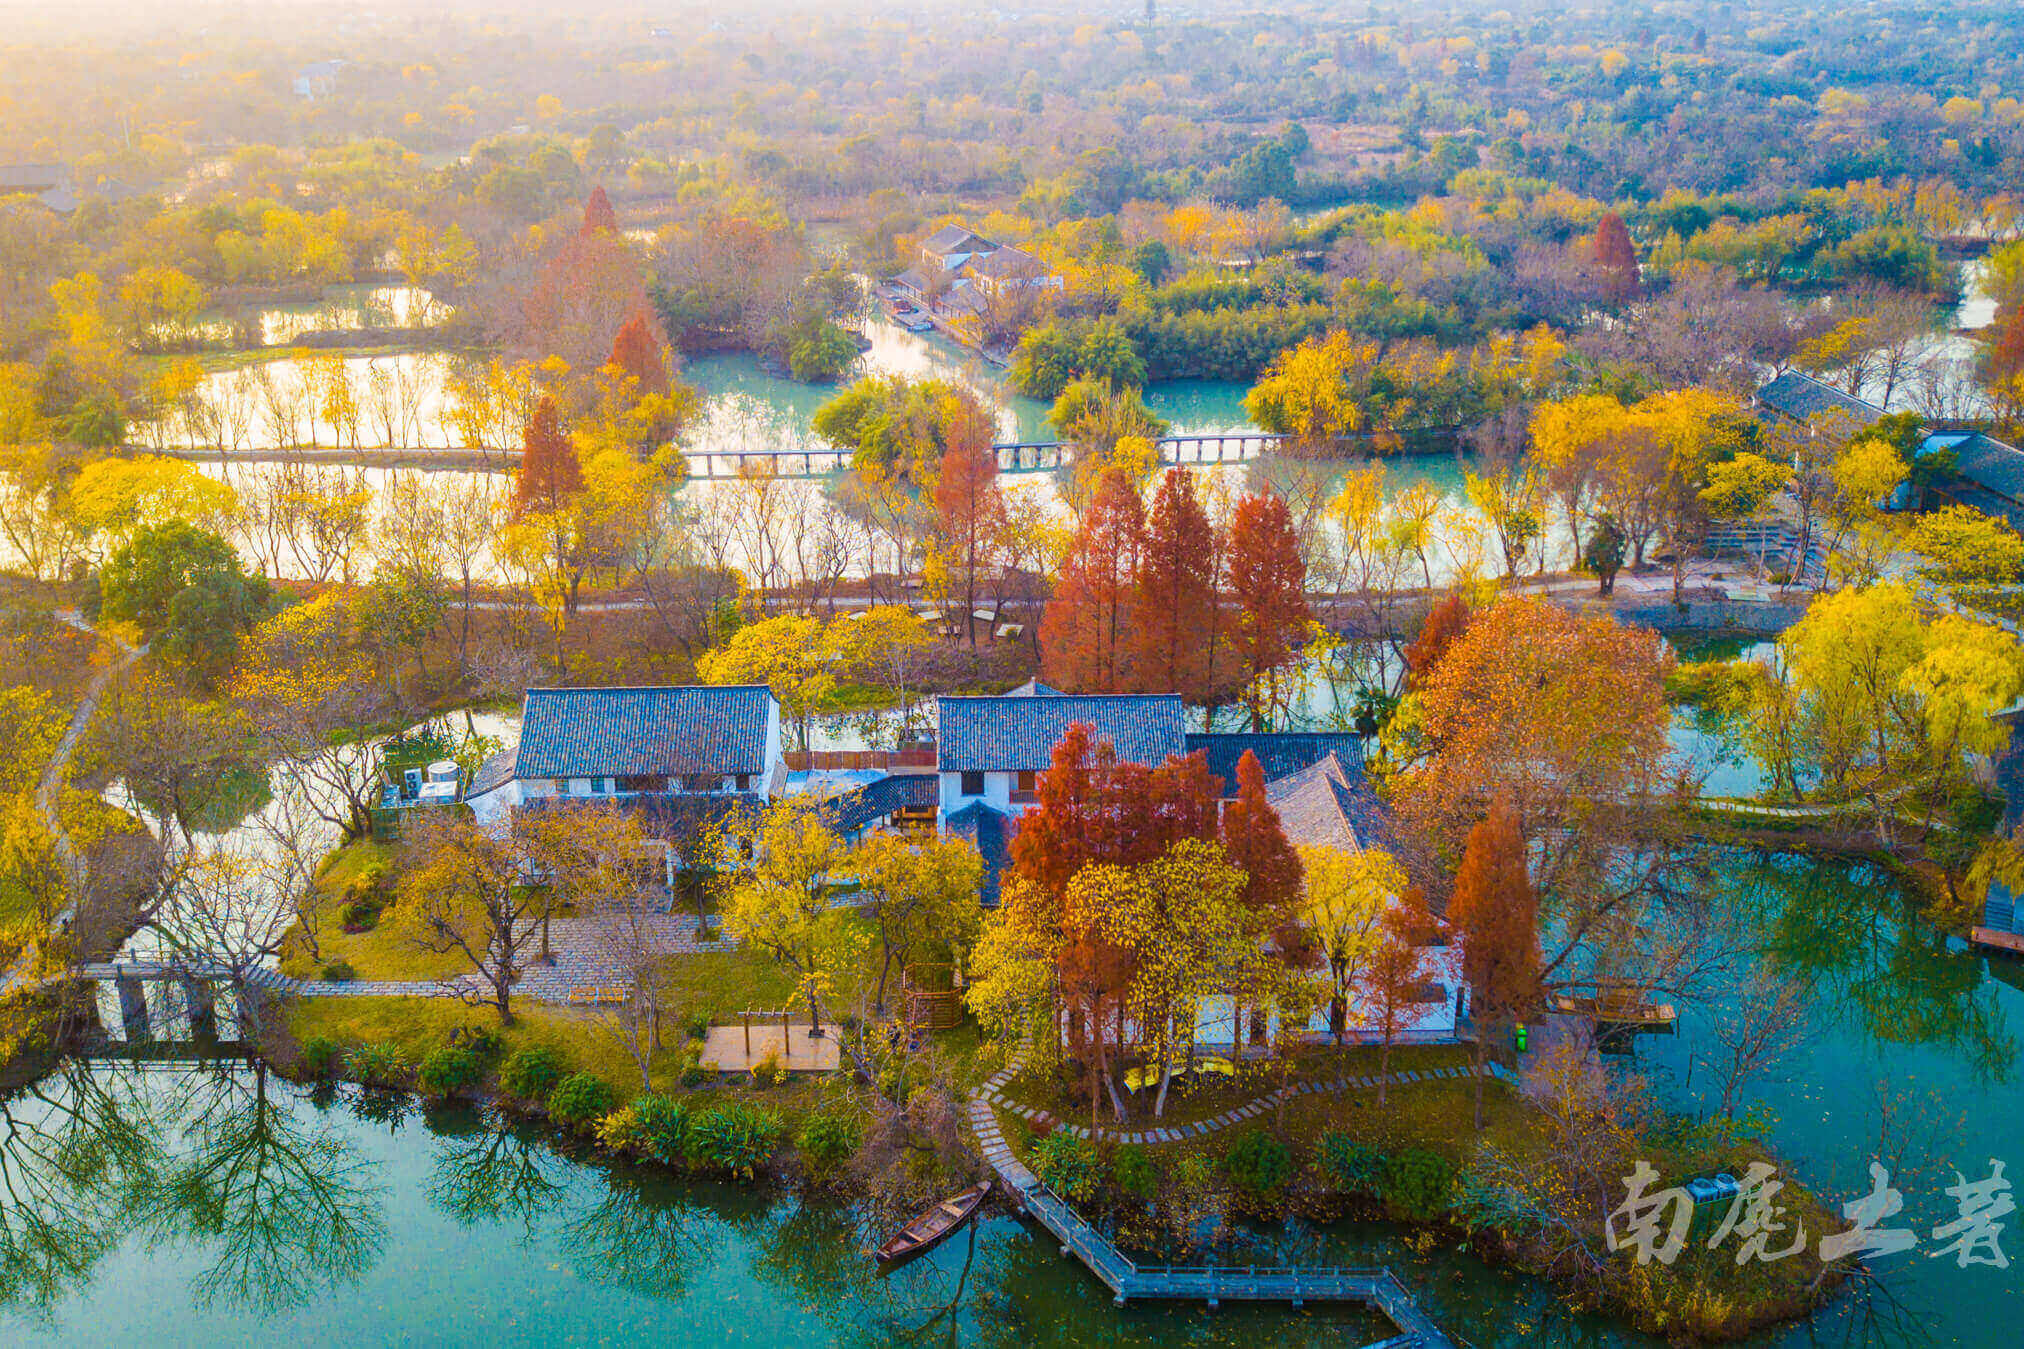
<point>382,953</point>
<point>418,1025</point>
<point>1204,1096</point>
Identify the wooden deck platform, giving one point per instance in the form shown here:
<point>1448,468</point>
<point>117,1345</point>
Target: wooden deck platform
<point>1996,939</point>
<point>726,1047</point>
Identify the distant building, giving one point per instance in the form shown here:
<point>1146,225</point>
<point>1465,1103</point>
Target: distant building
<point>318,80</point>
<point>49,184</point>
<point>966,266</point>
<point>1804,400</point>
<point>1988,474</point>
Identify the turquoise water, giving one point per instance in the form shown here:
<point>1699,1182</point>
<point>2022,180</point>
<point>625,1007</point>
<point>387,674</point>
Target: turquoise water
<point>195,1207</point>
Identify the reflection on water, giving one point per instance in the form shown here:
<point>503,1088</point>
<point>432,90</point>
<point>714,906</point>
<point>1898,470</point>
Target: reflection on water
<point>188,1204</point>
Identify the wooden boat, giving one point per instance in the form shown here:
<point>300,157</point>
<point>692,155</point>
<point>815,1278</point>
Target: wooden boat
<point>934,1225</point>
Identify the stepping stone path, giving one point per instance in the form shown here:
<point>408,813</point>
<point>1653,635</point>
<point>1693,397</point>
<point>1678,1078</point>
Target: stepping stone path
<point>990,1098</point>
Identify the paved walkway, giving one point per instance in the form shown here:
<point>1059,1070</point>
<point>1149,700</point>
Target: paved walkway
<point>50,786</point>
<point>991,1096</point>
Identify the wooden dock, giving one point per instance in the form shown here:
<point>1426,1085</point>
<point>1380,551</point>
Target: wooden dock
<point>1376,1288</point>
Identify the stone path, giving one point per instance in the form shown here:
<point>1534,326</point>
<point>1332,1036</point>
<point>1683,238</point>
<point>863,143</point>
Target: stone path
<point>587,954</point>
<point>991,1096</point>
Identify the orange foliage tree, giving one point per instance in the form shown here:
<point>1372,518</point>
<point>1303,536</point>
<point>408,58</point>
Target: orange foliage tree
<point>1268,579</point>
<point>1392,975</point>
<point>550,473</point>
<point>1617,257</point>
<point>1563,715</point>
<point>1176,606</point>
<point>1085,630</point>
<point>638,354</point>
<point>1497,920</point>
<point>1253,838</point>
<point>969,507</point>
<point>1444,622</point>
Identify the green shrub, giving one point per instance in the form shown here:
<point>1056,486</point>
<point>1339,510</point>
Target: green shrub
<point>1417,1184</point>
<point>359,915</point>
<point>1133,1170</point>
<point>828,1141</point>
<point>484,1043</point>
<point>650,1126</point>
<point>1352,1167</point>
<point>320,1054</point>
<point>769,1072</point>
<point>449,1070</point>
<point>734,1139</point>
<point>531,1072</point>
<point>581,1100</point>
<point>339,972</point>
<point>1257,1163</point>
<point>377,1065</point>
<point>1067,1164</point>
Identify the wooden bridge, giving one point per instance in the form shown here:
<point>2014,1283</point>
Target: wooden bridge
<point>1378,1289</point>
<point>1031,456</point>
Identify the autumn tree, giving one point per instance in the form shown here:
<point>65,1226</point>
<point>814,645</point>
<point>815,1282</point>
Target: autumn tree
<point>1094,808</point>
<point>782,903</point>
<point>1086,629</point>
<point>1256,843</point>
<point>590,284</point>
<point>598,217</point>
<point>463,893</point>
<point>1497,922</point>
<point>1393,973</point>
<point>638,354</point>
<point>1616,256</point>
<point>1345,896</point>
<point>1444,622</point>
<point>923,900</point>
<point>1564,716</point>
<point>1268,580</point>
<point>1175,605</point>
<point>550,473</point>
<point>969,508</point>
<point>790,654</point>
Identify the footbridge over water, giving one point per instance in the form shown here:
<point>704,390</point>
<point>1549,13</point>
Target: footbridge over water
<point>1032,456</point>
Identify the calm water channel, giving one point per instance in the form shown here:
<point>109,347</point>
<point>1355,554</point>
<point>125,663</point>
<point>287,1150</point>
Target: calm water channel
<point>192,1206</point>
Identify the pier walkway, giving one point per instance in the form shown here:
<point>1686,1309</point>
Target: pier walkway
<point>1376,1288</point>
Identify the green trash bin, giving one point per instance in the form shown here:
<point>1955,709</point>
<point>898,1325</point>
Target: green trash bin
<point>1522,1037</point>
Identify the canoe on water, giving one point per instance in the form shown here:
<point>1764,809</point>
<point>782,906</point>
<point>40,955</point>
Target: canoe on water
<point>934,1225</point>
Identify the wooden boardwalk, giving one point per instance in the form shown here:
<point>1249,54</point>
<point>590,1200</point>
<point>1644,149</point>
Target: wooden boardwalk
<point>1036,456</point>
<point>1214,1284</point>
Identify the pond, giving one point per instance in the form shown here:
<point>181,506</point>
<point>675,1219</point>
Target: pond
<point>195,1205</point>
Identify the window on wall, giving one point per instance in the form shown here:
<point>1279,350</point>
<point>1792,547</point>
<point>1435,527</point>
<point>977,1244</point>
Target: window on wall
<point>1027,781</point>
<point>744,782</point>
<point>973,784</point>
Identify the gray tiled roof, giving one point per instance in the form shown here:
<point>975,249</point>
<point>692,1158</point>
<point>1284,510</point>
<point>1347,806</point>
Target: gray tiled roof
<point>852,810</point>
<point>986,828</point>
<point>1319,806</point>
<point>1279,752</point>
<point>953,239</point>
<point>1013,734</point>
<point>1991,465</point>
<point>494,773</point>
<point>596,732</point>
<point>1802,398</point>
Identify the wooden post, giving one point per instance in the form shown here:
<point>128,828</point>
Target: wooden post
<point>786,1035</point>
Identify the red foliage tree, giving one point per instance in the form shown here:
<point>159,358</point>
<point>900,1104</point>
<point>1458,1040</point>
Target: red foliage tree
<point>587,289</point>
<point>638,353</point>
<point>1496,917</point>
<point>1175,605</point>
<point>549,471</point>
<point>1617,257</point>
<point>1093,808</point>
<point>1268,577</point>
<point>1085,630</point>
<point>1254,841</point>
<point>969,508</point>
<point>1443,624</point>
<point>2003,357</point>
<point>597,214</point>
<point>1392,976</point>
